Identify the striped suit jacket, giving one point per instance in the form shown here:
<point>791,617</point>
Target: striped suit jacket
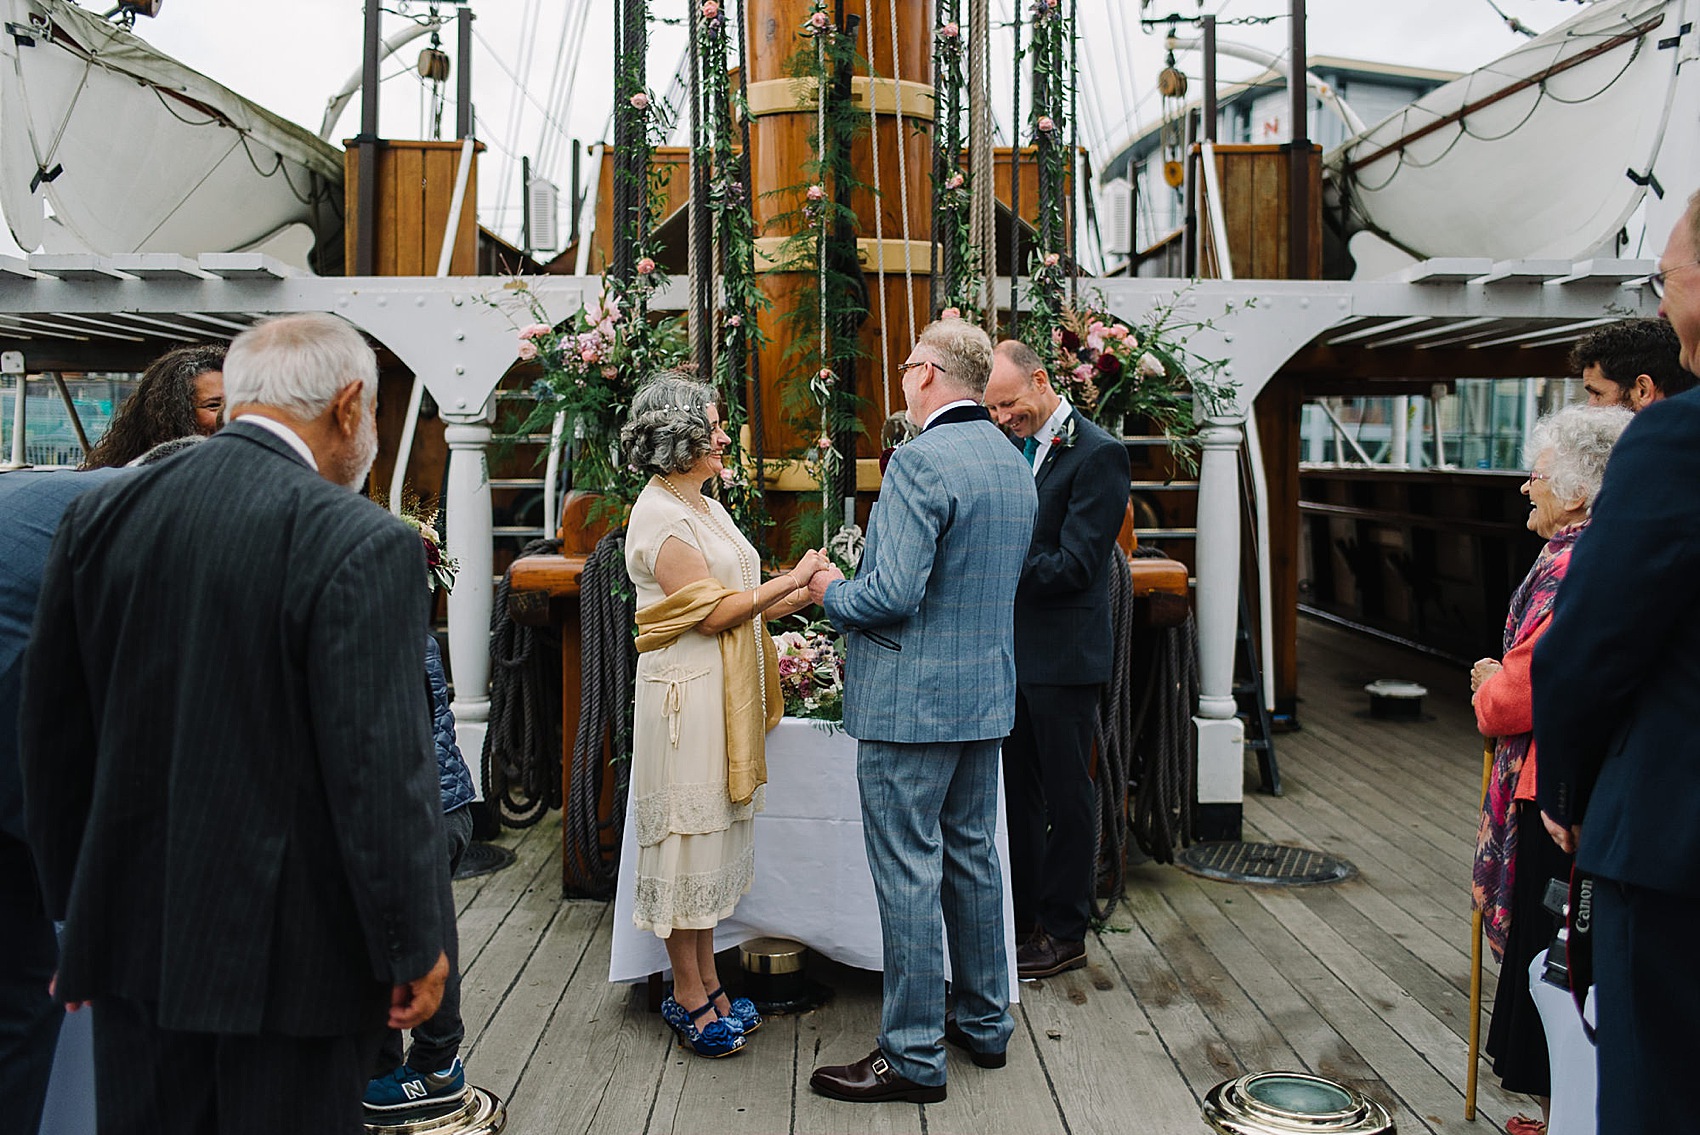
<point>930,613</point>
<point>229,783</point>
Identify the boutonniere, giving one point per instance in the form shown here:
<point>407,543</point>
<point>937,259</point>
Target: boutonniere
<point>1064,437</point>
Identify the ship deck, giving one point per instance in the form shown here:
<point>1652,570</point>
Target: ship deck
<point>1191,982</point>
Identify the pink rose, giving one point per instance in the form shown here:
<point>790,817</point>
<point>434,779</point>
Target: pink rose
<point>955,181</point>
<point>527,350</point>
<point>588,355</point>
<point>817,192</point>
<point>640,100</point>
<point>819,21</point>
<point>1118,332</point>
<point>734,321</point>
<point>1051,260</point>
<point>950,30</point>
<point>1045,123</point>
<point>824,442</point>
<point>726,475</point>
<point>645,266</point>
<point>610,372</point>
<point>826,374</point>
<point>951,313</point>
<point>533,330</point>
<point>710,10</point>
<point>1084,373</point>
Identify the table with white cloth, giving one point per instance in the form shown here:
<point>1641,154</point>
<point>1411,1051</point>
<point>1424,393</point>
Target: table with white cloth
<point>812,882</point>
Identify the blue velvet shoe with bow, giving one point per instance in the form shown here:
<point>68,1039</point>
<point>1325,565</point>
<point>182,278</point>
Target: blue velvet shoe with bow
<point>744,1010</point>
<point>716,1039</point>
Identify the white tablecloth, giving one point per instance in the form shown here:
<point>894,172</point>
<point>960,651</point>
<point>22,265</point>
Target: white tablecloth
<point>812,881</point>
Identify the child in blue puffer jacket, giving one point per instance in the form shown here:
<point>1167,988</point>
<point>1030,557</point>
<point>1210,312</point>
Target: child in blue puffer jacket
<point>432,1072</point>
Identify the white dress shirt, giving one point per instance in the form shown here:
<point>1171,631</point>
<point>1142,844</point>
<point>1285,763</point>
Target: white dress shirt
<point>948,406</point>
<point>1049,430</point>
<point>287,434</point>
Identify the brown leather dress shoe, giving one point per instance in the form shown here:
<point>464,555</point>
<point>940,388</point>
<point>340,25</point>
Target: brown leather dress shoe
<point>872,1080</point>
<point>954,1034</point>
<point>1043,956</point>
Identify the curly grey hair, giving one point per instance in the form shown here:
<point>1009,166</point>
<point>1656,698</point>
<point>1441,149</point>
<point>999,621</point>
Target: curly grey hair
<point>1577,441</point>
<point>667,430</point>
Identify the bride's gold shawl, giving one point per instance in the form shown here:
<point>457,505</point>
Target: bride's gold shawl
<point>659,624</point>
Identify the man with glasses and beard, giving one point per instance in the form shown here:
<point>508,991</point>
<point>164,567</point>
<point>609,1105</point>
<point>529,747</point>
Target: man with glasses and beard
<point>228,777</point>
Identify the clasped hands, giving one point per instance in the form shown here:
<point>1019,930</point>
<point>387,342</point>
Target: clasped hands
<point>819,570</point>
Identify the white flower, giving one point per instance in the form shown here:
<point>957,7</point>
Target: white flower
<point>1150,366</point>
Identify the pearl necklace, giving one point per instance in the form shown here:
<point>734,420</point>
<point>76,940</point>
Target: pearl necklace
<point>746,569</point>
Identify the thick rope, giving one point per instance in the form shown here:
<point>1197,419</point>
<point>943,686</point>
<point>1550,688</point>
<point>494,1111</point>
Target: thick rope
<point>697,221</point>
<point>1114,739</point>
<point>826,486</point>
<point>902,171</point>
<point>607,612</point>
<point>521,763</point>
<point>879,227</point>
<point>1015,186</point>
<point>982,208</point>
<point>757,431</point>
<point>1073,152</point>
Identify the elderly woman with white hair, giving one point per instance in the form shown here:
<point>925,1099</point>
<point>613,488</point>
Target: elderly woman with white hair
<point>707,693</point>
<point>1514,854</point>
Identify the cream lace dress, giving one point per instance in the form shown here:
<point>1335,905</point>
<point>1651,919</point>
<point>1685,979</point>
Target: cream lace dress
<point>696,851</point>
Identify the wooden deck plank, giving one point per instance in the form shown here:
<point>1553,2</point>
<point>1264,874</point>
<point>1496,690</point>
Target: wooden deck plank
<point>1105,1059</point>
<point>843,1031</point>
<point>1193,981</point>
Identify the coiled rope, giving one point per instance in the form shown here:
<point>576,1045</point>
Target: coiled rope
<point>1164,780</point>
<point>521,763</point>
<point>1114,738</point>
<point>603,747</point>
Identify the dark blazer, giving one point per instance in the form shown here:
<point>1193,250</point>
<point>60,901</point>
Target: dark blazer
<point>228,773</point>
<point>1062,608</point>
<point>31,504</point>
<point>1617,676</point>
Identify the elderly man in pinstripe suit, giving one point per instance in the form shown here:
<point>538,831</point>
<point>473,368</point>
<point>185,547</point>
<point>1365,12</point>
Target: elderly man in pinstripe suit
<point>228,776</point>
<point>930,694</point>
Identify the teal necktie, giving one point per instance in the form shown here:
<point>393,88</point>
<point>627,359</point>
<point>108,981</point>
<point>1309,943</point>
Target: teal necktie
<point>1030,447</point>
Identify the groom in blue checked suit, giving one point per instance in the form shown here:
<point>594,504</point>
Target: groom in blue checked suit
<point>930,694</point>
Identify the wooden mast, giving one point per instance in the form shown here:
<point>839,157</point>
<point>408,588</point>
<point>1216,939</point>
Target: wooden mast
<point>782,111</point>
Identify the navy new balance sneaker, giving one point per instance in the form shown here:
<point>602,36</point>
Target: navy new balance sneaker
<point>404,1088</point>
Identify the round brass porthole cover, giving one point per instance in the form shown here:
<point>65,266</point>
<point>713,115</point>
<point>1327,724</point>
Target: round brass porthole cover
<point>1288,1103</point>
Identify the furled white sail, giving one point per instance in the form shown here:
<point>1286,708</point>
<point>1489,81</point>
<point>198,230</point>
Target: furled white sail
<point>108,146</point>
<point>1544,153</point>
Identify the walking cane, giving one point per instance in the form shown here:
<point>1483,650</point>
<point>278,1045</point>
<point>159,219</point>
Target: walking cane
<point>1476,963</point>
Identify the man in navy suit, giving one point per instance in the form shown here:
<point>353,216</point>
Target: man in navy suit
<point>31,503</point>
<point>1617,706</point>
<point>1063,651</point>
<point>930,694</point>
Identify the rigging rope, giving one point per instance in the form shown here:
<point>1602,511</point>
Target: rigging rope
<point>902,172</point>
<point>982,206</point>
<point>603,747</point>
<point>826,451</point>
<point>1015,184</point>
<point>521,762</point>
<point>752,333</point>
<point>879,227</point>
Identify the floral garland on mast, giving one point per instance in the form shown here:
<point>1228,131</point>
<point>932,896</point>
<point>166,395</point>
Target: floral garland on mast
<point>740,335</point>
<point>1047,121</point>
<point>962,274</point>
<point>834,298</point>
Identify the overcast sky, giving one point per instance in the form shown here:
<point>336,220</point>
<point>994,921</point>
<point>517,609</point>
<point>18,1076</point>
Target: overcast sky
<point>292,56</point>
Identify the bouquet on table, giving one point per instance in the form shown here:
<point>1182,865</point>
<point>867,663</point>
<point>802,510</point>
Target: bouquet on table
<point>811,668</point>
<point>440,567</point>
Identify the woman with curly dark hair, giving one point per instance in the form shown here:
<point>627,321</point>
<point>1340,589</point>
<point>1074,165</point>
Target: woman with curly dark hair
<point>181,393</point>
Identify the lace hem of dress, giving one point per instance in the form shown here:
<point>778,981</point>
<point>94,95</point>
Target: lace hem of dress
<point>689,809</point>
<point>693,902</point>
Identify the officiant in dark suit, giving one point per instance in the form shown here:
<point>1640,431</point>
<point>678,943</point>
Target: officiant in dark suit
<point>229,785</point>
<point>1063,650</point>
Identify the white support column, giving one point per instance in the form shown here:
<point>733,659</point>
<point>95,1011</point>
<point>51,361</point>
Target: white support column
<point>1221,735</point>
<point>469,523</point>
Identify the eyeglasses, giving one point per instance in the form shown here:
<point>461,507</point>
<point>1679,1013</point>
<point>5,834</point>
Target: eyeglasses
<point>1657,280</point>
<point>901,367</point>
<point>1532,477</point>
